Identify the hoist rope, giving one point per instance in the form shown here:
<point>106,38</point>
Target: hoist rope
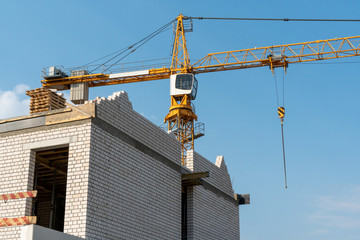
<point>276,90</point>
<point>281,113</point>
<point>283,145</point>
<point>282,129</point>
<point>283,88</point>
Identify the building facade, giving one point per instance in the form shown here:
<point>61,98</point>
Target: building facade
<point>103,171</point>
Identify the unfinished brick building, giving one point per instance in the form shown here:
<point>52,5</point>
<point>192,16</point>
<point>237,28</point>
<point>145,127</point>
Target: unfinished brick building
<point>103,171</point>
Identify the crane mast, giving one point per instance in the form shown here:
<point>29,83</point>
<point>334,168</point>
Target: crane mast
<point>183,84</point>
<point>181,116</point>
<point>180,56</point>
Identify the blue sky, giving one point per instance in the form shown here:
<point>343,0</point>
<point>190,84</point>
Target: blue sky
<point>238,107</point>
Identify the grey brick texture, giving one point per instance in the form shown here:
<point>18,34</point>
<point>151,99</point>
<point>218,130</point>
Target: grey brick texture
<point>124,178</point>
<point>131,194</point>
<point>210,214</point>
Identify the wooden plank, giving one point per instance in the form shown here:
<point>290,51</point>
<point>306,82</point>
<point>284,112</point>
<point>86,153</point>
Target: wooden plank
<point>85,111</point>
<point>45,100</point>
<point>28,194</point>
<point>5,222</point>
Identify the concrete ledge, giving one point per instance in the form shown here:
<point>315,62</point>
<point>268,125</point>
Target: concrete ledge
<point>219,193</point>
<point>50,143</point>
<point>242,198</point>
<point>36,232</point>
<point>45,127</point>
<point>22,124</point>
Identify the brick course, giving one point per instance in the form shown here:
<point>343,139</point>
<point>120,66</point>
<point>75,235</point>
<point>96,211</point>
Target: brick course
<point>17,169</point>
<point>211,213</point>
<point>124,178</point>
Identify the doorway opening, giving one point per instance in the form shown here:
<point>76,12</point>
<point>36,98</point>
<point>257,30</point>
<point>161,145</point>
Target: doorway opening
<point>50,182</point>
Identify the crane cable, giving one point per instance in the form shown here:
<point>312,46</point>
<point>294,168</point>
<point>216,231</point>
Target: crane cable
<point>132,48</point>
<point>281,114</point>
<point>165,27</point>
<point>279,19</point>
<point>142,42</point>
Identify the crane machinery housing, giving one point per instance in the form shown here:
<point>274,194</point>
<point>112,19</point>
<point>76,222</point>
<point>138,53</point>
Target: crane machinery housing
<point>183,84</point>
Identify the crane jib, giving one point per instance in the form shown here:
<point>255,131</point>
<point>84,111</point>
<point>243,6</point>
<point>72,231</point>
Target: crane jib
<point>129,74</point>
<point>181,118</point>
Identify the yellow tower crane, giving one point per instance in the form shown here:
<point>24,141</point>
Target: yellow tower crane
<point>183,84</point>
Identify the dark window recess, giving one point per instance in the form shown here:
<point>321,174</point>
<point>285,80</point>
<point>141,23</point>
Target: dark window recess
<point>50,182</point>
<point>184,81</point>
<point>194,89</point>
<point>184,214</point>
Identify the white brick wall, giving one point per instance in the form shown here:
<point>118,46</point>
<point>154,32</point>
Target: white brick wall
<point>219,176</point>
<point>17,170</point>
<point>132,195</point>
<point>124,179</point>
<point>211,215</point>
<point>117,110</point>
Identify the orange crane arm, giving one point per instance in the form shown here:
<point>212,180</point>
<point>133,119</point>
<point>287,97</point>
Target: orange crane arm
<point>99,79</point>
<point>280,55</point>
<point>273,56</point>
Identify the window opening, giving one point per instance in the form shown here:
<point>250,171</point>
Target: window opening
<point>194,89</point>
<point>50,182</point>
<point>184,81</point>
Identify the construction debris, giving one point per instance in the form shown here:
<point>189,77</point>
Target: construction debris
<point>45,100</point>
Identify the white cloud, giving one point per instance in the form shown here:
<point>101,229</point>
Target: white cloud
<point>344,204</point>
<point>14,102</point>
<point>320,232</point>
<point>21,89</point>
<point>341,211</point>
<point>337,221</point>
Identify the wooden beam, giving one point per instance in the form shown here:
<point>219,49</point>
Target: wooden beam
<point>42,188</point>
<point>193,179</point>
<point>57,158</point>
<point>28,194</point>
<point>78,109</point>
<point>194,175</point>
<point>192,182</point>
<point>45,163</point>
<point>242,198</point>
<point>48,191</point>
<point>5,222</point>
<point>53,151</point>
